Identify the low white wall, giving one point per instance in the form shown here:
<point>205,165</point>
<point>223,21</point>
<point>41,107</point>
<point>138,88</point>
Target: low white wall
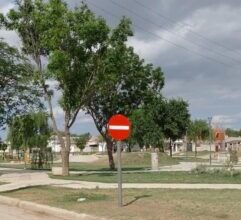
<point>204,147</point>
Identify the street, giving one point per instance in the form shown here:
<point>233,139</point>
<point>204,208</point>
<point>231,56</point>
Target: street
<point>14,213</point>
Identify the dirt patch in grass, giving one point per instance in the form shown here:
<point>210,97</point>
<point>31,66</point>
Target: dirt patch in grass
<point>141,204</point>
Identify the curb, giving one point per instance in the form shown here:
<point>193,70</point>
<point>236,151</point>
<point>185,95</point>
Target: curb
<point>44,209</point>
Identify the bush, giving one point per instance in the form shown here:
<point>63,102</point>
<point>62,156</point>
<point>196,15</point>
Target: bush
<point>200,169</point>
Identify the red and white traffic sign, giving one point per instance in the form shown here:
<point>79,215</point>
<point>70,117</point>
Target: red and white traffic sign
<point>119,127</point>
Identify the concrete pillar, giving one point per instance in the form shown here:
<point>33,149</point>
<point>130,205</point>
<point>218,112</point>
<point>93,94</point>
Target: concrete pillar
<point>154,161</point>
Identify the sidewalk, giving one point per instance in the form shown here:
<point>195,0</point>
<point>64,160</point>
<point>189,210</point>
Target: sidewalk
<point>18,181</point>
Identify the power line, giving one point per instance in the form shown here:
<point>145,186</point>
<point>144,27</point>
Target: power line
<point>185,24</point>
<point>237,62</point>
<point>168,41</point>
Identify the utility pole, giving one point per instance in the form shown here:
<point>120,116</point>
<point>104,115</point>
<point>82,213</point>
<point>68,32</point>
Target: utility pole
<point>210,140</point>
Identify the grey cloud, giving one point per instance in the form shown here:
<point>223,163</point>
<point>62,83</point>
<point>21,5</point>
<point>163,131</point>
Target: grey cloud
<point>211,88</point>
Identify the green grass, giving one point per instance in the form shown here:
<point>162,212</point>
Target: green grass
<point>192,153</point>
<point>140,204</point>
<point>130,161</point>
<point>157,177</point>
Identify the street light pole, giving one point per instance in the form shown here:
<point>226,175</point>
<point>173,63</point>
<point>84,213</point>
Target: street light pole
<point>210,140</point>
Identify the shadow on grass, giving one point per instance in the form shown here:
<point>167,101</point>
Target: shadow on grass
<point>136,198</point>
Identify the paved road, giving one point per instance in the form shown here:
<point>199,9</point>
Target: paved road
<point>14,213</point>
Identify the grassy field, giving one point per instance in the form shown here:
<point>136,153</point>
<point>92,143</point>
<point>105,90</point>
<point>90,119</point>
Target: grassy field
<point>141,204</point>
<point>130,161</point>
<point>192,153</point>
<point>157,177</point>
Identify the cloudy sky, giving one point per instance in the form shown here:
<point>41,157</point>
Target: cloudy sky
<point>196,43</point>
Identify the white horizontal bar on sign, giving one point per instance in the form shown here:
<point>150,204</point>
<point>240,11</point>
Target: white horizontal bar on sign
<point>119,127</point>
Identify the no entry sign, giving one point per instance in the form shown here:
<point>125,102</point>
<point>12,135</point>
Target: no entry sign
<point>119,127</point>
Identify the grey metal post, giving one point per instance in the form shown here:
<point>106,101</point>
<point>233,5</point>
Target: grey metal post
<point>186,142</point>
<point>210,140</point>
<point>119,174</point>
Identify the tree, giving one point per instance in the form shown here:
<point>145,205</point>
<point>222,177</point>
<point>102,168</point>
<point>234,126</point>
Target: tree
<point>81,140</point>
<point>198,130</point>
<point>124,84</point>
<point>175,119</point>
<point>17,93</point>
<point>233,133</point>
<point>74,42</point>
<point>145,129</point>
<point>29,131</point>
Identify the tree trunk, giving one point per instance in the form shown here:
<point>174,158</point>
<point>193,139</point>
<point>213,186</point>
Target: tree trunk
<point>65,152</point>
<point>110,154</point>
<point>129,147</point>
<point>170,148</point>
<point>195,149</point>
<point>65,162</point>
<point>197,144</point>
<point>162,149</point>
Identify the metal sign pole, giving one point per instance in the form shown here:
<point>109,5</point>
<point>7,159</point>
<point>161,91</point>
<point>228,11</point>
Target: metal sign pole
<point>119,174</point>
<point>210,140</point>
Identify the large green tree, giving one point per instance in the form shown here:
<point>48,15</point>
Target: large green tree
<point>73,41</point>
<point>125,82</point>
<point>175,120</point>
<point>146,127</point>
<point>160,118</point>
<point>17,93</point>
<point>198,130</point>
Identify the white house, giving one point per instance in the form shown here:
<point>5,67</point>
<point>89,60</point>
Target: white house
<point>54,144</point>
<point>102,146</point>
<point>92,145</point>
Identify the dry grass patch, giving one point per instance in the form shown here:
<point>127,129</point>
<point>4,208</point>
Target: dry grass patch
<point>146,204</point>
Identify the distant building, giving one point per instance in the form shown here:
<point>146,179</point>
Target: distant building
<point>54,144</point>
<point>219,139</point>
<point>92,145</point>
<point>102,146</point>
<point>233,143</point>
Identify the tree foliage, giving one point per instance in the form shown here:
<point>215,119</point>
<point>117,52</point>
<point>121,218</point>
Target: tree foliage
<point>17,93</point>
<point>81,140</point>
<point>176,118</point>
<point>29,131</point>
<point>160,118</point>
<point>198,131</point>
<point>233,133</point>
<point>146,131</point>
